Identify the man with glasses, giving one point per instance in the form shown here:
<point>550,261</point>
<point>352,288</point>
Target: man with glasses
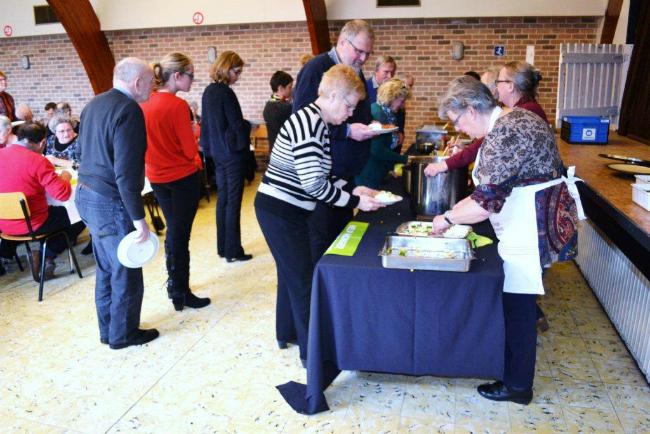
<point>350,141</point>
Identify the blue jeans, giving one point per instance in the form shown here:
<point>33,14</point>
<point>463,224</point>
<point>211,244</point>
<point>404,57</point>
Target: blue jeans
<point>118,290</point>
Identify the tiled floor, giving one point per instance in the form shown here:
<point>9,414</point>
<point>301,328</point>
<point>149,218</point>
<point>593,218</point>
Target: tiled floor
<point>214,369</point>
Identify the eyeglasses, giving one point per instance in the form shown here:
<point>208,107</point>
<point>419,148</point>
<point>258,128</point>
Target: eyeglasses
<point>189,74</point>
<point>349,106</point>
<point>69,130</point>
<point>359,51</point>
<point>455,121</point>
<point>502,81</point>
<point>237,71</point>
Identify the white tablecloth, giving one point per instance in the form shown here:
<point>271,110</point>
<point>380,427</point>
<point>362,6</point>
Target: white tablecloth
<point>69,205</point>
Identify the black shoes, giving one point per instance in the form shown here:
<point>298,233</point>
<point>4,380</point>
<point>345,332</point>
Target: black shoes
<point>284,344</point>
<point>498,391</point>
<point>243,257</point>
<point>141,337</point>
<point>190,300</point>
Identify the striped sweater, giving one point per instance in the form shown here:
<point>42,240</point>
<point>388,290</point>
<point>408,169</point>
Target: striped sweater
<point>300,165</point>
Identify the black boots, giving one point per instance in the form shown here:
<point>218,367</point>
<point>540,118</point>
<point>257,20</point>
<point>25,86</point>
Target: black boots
<point>178,283</point>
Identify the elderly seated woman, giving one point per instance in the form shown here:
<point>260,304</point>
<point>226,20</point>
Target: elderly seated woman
<point>532,207</point>
<point>297,177</point>
<point>391,96</point>
<point>25,169</point>
<point>6,136</point>
<point>61,147</point>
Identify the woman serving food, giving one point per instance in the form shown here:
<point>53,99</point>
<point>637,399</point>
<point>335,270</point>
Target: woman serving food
<point>532,207</point>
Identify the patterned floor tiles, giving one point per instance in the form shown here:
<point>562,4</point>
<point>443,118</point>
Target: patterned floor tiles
<point>215,369</point>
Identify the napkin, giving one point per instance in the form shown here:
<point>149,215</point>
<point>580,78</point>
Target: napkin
<point>478,240</point>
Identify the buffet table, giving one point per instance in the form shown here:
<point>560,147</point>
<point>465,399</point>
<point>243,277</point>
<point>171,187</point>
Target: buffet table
<point>366,317</point>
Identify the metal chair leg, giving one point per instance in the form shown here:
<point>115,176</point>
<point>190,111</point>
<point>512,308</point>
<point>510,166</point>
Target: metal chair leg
<point>42,276</point>
<point>72,256</point>
<point>20,264</point>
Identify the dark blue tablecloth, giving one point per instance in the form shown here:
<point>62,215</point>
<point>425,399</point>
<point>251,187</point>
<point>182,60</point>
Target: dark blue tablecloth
<point>366,317</point>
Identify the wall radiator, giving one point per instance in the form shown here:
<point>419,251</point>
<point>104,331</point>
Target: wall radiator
<point>621,288</point>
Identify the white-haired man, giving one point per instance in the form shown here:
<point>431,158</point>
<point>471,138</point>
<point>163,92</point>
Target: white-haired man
<point>111,177</point>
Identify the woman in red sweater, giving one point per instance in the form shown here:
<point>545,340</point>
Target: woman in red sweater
<point>173,165</point>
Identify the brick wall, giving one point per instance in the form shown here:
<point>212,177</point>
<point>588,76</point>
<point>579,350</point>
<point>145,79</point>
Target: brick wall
<point>421,47</point>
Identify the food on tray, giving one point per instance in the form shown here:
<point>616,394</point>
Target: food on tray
<point>412,252</point>
<point>377,126</point>
<point>387,197</point>
<point>416,229</point>
<point>457,231</point>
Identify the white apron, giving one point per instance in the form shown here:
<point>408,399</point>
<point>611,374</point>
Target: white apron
<point>516,228</point>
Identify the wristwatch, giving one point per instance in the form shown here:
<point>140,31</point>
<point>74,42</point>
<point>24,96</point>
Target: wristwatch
<point>447,216</point>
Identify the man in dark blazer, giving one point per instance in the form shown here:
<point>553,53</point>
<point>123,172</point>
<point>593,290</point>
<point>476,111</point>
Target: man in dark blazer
<point>350,141</point>
<point>111,177</point>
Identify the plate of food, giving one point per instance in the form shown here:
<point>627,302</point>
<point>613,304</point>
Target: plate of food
<point>387,198</point>
<point>382,128</point>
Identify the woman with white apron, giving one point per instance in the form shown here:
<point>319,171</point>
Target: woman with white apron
<point>533,208</point>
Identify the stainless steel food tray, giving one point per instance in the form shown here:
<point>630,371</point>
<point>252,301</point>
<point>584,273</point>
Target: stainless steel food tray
<point>426,253</point>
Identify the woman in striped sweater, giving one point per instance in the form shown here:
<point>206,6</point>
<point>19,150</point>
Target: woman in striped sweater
<point>297,177</point>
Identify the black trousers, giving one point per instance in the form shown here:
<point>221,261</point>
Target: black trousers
<point>230,189</point>
<point>57,219</point>
<point>288,238</point>
<point>179,201</point>
<point>520,314</point>
<point>325,224</point>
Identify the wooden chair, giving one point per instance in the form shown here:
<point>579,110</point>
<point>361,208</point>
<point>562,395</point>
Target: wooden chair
<point>13,206</point>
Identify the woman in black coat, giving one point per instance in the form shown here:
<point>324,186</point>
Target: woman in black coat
<point>225,136</point>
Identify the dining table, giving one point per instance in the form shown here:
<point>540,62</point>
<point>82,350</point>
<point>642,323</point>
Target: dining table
<point>365,317</point>
<point>71,207</point>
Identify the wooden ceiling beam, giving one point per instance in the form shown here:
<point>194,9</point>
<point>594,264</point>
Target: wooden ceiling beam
<point>82,25</point>
<point>611,21</point>
<point>319,34</point>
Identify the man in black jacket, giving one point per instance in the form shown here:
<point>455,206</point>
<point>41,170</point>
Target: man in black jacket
<point>350,141</point>
<point>111,177</point>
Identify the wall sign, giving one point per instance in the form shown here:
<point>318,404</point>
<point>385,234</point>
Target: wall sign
<point>197,18</point>
<point>500,50</point>
<point>8,30</point>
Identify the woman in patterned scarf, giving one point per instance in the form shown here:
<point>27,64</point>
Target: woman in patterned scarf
<point>532,207</point>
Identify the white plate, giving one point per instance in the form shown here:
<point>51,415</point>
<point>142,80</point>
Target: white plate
<point>386,201</point>
<point>630,168</point>
<point>377,128</point>
<point>133,255</point>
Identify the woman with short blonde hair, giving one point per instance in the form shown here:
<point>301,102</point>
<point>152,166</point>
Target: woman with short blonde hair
<point>298,176</point>
<point>384,148</point>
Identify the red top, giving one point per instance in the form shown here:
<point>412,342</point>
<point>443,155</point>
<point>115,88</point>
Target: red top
<point>469,153</point>
<point>33,174</point>
<point>172,151</point>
